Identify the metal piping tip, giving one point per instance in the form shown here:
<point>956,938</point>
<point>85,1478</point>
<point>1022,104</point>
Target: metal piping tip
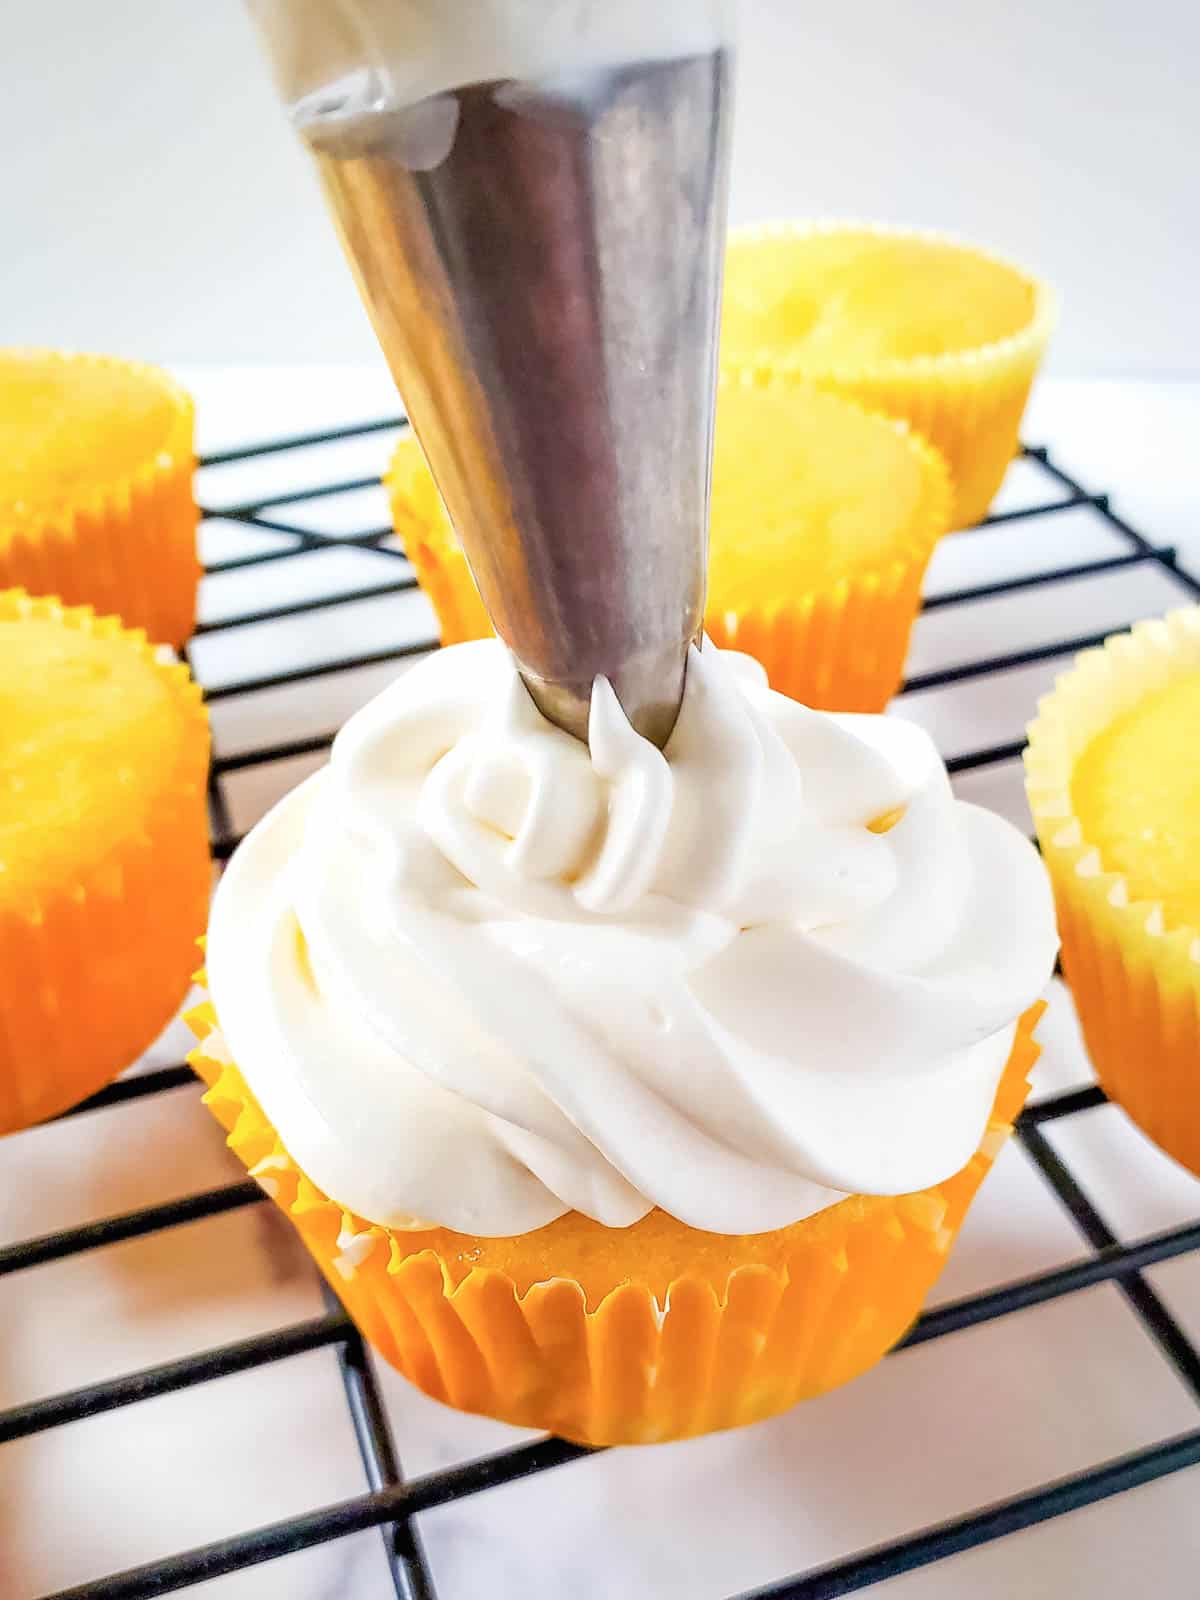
<point>542,263</point>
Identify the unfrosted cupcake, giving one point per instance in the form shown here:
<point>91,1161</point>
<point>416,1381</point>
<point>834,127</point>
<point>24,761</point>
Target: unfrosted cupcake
<point>96,503</point>
<point>1113,770</point>
<point>823,522</point>
<point>911,324</point>
<point>619,1092</point>
<point>104,866</point>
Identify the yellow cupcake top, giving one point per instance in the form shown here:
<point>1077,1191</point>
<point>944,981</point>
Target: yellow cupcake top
<point>1136,792</point>
<point>418,511</point>
<point>810,491</point>
<point>75,426</point>
<point>846,298</point>
<point>96,731</point>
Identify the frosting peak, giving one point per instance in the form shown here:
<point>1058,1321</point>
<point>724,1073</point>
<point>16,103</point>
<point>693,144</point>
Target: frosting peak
<point>480,973</point>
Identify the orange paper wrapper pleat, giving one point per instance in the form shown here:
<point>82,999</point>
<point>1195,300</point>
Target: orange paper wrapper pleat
<point>843,651</point>
<point>968,403</point>
<point>94,966</point>
<point>678,1333</point>
<point>1134,977</point>
<point>122,540</point>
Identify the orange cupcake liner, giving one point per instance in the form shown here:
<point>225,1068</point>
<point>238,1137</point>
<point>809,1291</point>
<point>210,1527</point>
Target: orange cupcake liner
<point>842,651</point>
<point>529,1345</point>
<point>126,546</point>
<point>95,971</point>
<point>967,403</point>
<point>1135,979</point>
<point>841,648</point>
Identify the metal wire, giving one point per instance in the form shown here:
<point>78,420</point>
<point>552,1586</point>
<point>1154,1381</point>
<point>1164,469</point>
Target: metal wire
<point>389,1502</point>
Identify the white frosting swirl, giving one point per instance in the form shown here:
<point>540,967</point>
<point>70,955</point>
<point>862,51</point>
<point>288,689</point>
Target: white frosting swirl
<point>478,973</point>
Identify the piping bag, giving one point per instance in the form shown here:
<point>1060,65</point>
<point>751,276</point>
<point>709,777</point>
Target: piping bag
<point>532,196</point>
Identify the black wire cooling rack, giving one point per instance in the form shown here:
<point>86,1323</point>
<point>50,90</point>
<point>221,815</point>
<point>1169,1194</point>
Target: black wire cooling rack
<point>391,1502</point>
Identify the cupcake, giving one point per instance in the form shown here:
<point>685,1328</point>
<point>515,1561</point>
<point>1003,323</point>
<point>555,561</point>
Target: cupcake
<point>823,522</point>
<point>1113,772</point>
<point>422,524</point>
<point>624,1093</point>
<point>104,867</point>
<point>911,324</point>
<point>96,500</point>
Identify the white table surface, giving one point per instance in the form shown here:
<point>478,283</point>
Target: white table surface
<point>931,1433</point>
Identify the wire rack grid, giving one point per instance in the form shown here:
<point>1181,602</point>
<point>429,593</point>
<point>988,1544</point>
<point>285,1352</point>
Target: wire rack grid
<point>391,1502</point>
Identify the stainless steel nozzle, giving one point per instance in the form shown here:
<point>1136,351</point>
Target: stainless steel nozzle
<point>542,263</point>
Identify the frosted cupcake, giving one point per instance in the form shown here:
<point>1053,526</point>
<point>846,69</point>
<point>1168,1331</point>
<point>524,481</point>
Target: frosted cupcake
<point>907,323</point>
<point>96,503</point>
<point>104,865</point>
<point>1113,770</point>
<point>620,1092</point>
<point>823,522</point>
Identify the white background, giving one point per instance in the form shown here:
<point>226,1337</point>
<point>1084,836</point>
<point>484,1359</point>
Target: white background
<point>152,201</point>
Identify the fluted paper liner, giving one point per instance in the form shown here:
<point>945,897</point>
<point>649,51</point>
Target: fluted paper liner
<point>1135,977</point>
<point>625,1336</point>
<point>968,403</point>
<point>122,541</point>
<point>835,644</point>
<point>94,966</point>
